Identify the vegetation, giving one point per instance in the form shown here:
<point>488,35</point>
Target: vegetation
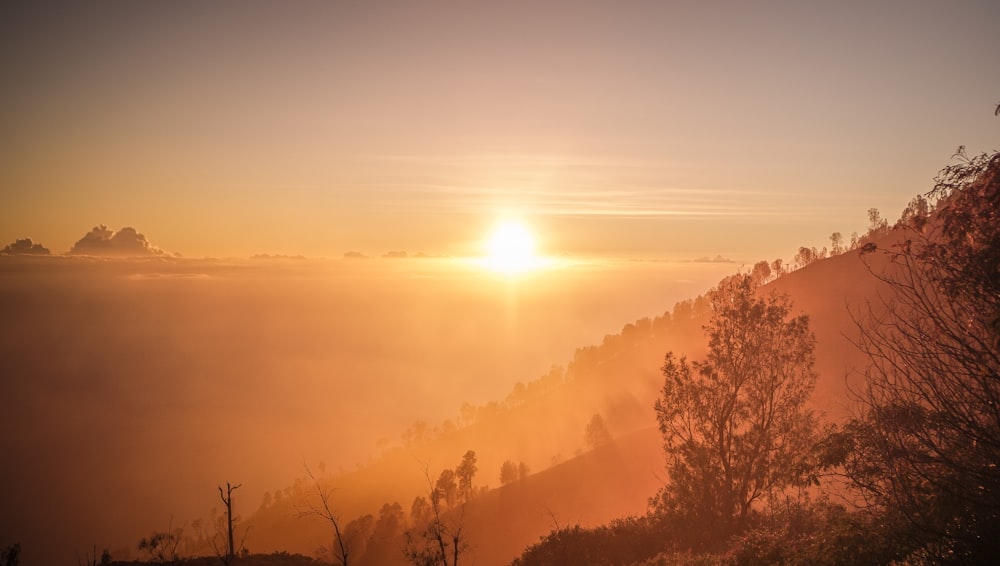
<point>928,443</point>
<point>437,538</point>
<point>340,548</point>
<point>227,500</point>
<point>746,461</point>
<point>735,429</point>
<point>923,453</point>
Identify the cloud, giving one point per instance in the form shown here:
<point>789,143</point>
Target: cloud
<point>24,247</point>
<point>277,256</point>
<point>716,259</point>
<point>103,241</point>
<point>395,254</point>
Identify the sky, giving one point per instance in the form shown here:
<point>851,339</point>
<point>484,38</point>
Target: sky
<point>623,129</point>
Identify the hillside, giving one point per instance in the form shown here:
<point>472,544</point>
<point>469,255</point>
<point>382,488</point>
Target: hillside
<point>544,422</point>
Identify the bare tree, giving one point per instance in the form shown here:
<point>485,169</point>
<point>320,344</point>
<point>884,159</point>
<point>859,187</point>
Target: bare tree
<point>928,443</point>
<point>227,500</point>
<point>339,547</point>
<point>441,540</point>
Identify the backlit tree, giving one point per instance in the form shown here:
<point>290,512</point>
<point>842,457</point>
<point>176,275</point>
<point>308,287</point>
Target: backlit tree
<point>735,428</point>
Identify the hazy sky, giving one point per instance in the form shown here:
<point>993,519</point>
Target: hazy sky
<point>669,129</point>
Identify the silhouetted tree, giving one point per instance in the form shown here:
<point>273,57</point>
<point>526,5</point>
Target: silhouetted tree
<point>161,546</point>
<point>735,429</point>
<point>92,560</point>
<point>227,500</point>
<point>11,555</point>
<point>928,445</point>
<point>877,226</point>
<point>805,256</point>
<point>441,540</point>
<point>511,472</point>
<point>508,472</point>
<point>596,433</point>
<point>761,272</point>
<point>339,547</point>
<point>776,268</point>
<point>445,489</point>
<point>465,472</point>
<point>381,547</point>
<point>836,244</point>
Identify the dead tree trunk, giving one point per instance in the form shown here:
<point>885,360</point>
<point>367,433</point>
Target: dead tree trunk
<point>227,499</point>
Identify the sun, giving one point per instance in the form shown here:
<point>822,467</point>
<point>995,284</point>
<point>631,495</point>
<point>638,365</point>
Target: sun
<point>511,249</point>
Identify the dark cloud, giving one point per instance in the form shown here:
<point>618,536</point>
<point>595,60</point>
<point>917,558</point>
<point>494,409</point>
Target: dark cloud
<point>355,255</point>
<point>395,254</point>
<point>24,247</point>
<point>106,242</point>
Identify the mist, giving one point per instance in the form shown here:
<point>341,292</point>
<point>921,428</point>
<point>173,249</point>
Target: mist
<point>133,387</point>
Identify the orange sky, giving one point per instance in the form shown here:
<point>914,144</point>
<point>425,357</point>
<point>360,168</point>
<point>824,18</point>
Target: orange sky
<point>619,129</point>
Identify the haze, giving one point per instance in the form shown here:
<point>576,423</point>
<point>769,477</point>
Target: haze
<point>263,229</point>
<point>133,386</point>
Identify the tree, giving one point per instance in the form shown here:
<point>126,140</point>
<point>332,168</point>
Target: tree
<point>465,472</point>
<point>836,244</point>
<point>761,272</point>
<point>928,442</point>
<point>10,555</point>
<point>340,548</point>
<point>508,472</point>
<point>877,226</point>
<point>805,256</point>
<point>735,429</point>
<point>381,547</point>
<point>596,433</point>
<point>440,539</point>
<point>227,500</point>
<point>776,268</point>
<point>161,546</point>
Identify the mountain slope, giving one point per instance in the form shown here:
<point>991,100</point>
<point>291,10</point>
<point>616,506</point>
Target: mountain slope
<point>620,380</point>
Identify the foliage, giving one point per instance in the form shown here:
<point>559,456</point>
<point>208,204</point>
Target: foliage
<point>438,536</point>
<point>793,532</point>
<point>465,472</point>
<point>928,442</point>
<point>161,546</point>
<point>803,532</point>
<point>511,472</point>
<point>807,255</point>
<point>734,427</point>
<point>273,559</point>
<point>596,432</point>
<point>623,541</point>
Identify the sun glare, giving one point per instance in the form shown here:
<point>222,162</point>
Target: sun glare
<point>511,249</point>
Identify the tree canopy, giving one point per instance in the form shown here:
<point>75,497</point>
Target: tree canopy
<point>928,443</point>
<point>735,428</point>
